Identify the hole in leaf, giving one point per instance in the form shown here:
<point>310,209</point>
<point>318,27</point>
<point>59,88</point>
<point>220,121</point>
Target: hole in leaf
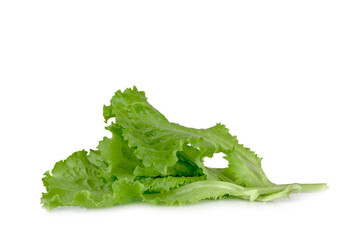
<point>217,161</point>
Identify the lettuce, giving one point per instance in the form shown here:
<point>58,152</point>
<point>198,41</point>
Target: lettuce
<point>149,159</point>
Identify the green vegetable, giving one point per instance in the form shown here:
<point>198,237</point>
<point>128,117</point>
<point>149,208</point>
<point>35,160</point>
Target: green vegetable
<point>149,159</point>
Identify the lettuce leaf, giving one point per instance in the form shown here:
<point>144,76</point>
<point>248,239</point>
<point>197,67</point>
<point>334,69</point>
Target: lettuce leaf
<point>150,159</point>
<point>157,141</point>
<point>210,189</point>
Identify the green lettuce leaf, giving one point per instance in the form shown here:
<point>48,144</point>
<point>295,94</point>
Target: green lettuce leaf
<point>77,182</point>
<point>210,189</point>
<point>158,141</point>
<point>150,159</point>
<point>72,179</point>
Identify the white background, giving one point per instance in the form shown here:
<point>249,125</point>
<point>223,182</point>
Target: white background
<point>281,75</point>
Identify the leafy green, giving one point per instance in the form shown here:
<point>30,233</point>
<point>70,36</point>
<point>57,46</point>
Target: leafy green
<point>149,159</point>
